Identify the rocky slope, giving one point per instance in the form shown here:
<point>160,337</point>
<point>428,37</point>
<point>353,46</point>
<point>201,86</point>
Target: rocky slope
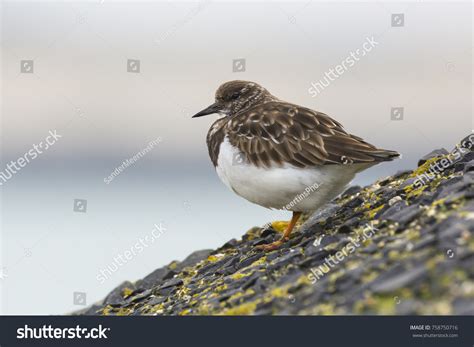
<point>402,245</point>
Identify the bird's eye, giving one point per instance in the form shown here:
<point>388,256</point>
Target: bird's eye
<point>235,95</point>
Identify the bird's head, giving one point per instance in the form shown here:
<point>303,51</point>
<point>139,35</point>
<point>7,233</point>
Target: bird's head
<point>236,96</point>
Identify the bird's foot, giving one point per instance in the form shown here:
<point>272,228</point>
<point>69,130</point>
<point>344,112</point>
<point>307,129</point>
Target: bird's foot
<point>271,246</point>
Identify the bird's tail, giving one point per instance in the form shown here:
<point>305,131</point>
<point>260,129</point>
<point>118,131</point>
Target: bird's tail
<point>377,154</point>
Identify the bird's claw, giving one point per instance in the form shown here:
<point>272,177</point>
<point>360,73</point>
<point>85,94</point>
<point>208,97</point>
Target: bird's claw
<point>270,246</point>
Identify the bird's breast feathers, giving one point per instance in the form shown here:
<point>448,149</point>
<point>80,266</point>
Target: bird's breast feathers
<point>281,186</point>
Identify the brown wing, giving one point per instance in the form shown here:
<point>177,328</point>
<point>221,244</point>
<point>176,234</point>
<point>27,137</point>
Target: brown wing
<point>279,132</point>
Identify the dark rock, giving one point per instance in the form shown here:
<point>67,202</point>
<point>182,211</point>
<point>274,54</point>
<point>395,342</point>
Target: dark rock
<point>370,249</point>
<point>420,253</point>
<point>387,192</point>
<point>248,282</point>
<point>319,216</point>
<point>260,285</point>
<point>468,206</point>
<point>451,228</point>
<point>154,278</point>
<point>229,266</point>
<point>268,231</point>
<point>228,293</point>
<point>467,143</point>
<point>211,267</point>
<point>248,261</point>
<point>193,259</point>
<point>351,191</point>
<point>405,215</point>
<point>230,244</point>
<point>427,240</point>
<point>139,296</point>
<point>433,154</point>
<point>408,182</point>
<point>172,283</point>
<point>156,300</point>
<point>272,255</point>
<point>284,260</point>
<point>467,157</point>
<point>463,307</point>
<point>348,225</point>
<point>454,185</point>
<point>314,259</point>
<point>426,198</point>
<point>327,240</point>
<point>354,202</point>
<point>406,306</point>
<point>459,166</point>
<point>469,166</point>
<point>165,273</point>
<point>116,296</point>
<point>394,209</point>
<point>343,284</point>
<point>291,277</point>
<point>401,173</point>
<point>396,278</point>
<point>294,241</point>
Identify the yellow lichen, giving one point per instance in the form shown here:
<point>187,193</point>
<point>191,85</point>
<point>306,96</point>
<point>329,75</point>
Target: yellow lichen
<point>382,304</point>
<point>126,292</point>
<point>324,309</point>
<point>239,275</point>
<point>280,226</point>
<point>371,214</point>
<point>425,167</point>
<point>303,280</point>
<point>412,192</point>
<point>244,309</point>
<point>234,297</point>
<point>122,311</point>
<point>220,288</point>
<point>259,261</point>
<point>173,265</point>
<point>279,292</point>
<point>204,309</point>
<point>185,312</point>
<point>215,257</point>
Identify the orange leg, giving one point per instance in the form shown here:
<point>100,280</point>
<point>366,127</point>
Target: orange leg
<point>286,236</point>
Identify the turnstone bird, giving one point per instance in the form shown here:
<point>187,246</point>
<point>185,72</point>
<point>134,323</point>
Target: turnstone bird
<point>270,151</point>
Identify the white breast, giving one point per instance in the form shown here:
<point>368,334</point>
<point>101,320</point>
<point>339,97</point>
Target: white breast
<point>287,187</point>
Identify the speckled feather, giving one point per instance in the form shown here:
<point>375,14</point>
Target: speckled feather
<point>272,132</point>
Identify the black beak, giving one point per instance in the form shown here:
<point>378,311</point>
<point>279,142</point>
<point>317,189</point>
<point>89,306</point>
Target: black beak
<point>214,108</point>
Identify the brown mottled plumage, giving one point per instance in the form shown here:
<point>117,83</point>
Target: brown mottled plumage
<point>269,131</point>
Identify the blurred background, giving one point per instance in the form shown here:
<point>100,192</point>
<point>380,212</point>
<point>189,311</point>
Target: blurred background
<point>110,77</point>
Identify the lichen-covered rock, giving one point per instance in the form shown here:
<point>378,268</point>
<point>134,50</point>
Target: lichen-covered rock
<point>402,245</point>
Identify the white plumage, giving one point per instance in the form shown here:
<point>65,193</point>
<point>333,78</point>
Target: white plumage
<point>283,187</point>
